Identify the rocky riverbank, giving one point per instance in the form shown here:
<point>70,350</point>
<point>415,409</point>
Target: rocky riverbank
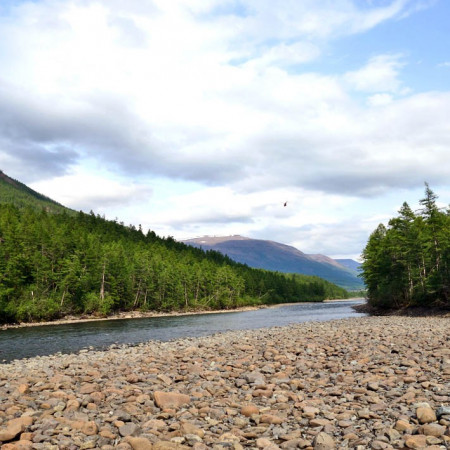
<point>135,314</point>
<point>362,383</point>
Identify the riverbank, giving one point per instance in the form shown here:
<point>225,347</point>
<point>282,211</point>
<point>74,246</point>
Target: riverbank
<point>126,315</point>
<point>410,311</point>
<point>147,314</point>
<point>362,383</point>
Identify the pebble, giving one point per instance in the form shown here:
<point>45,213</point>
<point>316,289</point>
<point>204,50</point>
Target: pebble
<point>169,400</point>
<point>360,383</point>
<point>249,410</point>
<point>425,414</point>
<point>324,441</point>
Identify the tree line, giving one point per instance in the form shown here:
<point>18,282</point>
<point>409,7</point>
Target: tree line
<point>52,265</point>
<point>407,263</point>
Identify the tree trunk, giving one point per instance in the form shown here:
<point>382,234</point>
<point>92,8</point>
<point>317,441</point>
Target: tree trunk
<point>102,287</point>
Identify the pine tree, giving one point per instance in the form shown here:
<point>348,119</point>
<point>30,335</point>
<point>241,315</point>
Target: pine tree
<point>408,262</point>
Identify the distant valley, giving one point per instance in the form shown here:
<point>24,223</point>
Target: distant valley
<point>270,255</point>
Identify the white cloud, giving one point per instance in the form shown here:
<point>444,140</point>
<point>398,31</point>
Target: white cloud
<point>381,74</point>
<point>316,19</point>
<point>380,100</point>
<point>363,21</point>
<point>212,93</point>
<point>80,191</point>
<point>285,56</point>
<point>257,214</point>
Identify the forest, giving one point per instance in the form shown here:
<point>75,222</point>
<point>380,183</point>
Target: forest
<point>55,264</point>
<point>407,263</point>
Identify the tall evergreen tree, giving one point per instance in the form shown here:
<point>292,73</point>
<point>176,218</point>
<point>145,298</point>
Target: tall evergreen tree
<point>407,263</point>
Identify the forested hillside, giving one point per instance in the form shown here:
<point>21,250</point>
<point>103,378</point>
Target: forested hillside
<point>408,262</point>
<point>19,194</point>
<point>57,264</point>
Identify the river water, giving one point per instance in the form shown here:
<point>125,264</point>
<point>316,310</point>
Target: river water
<point>18,343</point>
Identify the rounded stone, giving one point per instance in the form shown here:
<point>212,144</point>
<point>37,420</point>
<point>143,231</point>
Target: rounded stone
<point>426,414</point>
<point>324,441</point>
<point>249,410</point>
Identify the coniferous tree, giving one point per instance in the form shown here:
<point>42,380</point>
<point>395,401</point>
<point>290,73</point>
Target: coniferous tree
<point>407,263</point>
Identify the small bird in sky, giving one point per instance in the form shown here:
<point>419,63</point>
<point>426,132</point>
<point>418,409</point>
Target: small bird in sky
<point>285,204</point>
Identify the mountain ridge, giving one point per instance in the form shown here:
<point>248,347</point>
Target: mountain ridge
<point>350,263</point>
<point>275,256</point>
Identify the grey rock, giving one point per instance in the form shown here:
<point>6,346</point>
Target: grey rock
<point>443,411</point>
<point>129,429</point>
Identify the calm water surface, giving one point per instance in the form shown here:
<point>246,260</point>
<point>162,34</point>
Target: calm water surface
<point>20,343</point>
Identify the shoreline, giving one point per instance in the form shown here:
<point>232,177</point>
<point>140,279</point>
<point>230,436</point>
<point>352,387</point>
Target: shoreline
<point>126,316</point>
<point>150,314</point>
<point>359,383</point>
<point>410,311</point>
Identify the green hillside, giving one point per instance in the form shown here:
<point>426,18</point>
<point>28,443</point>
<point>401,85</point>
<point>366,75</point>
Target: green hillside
<point>16,193</point>
<point>52,265</point>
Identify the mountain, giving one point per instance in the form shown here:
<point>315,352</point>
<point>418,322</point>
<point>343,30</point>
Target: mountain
<point>350,264</point>
<point>327,260</point>
<point>270,255</point>
<point>16,193</point>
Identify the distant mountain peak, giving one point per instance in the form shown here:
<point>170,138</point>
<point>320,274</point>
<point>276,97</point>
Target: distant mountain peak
<point>271,255</point>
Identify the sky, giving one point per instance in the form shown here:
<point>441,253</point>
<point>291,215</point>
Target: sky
<point>203,117</point>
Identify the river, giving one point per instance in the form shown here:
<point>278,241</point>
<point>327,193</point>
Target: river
<point>27,342</point>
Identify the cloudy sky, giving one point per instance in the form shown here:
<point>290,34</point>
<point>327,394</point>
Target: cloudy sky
<point>202,117</point>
